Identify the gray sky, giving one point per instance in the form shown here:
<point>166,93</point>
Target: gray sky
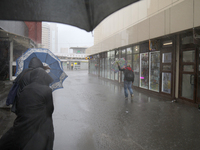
<point>69,36</point>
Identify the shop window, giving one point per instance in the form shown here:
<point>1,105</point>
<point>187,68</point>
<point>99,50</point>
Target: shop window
<point>189,56</point>
<point>135,67</point>
<point>166,82</point>
<point>112,54</point>
<point>129,51</point>
<point>166,67</point>
<point>112,74</point>
<point>187,86</point>
<point>123,54</point>
<point>154,45</point>
<point>144,47</point>
<point>154,71</point>
<point>136,49</point>
<point>117,54</point>
<point>116,74</point>
<point>187,39</point>
<point>188,68</point>
<point>167,58</point>
<point>144,70</point>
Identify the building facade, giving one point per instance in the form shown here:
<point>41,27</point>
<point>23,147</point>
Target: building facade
<point>35,31</point>
<point>75,59</point>
<point>54,37</point>
<point>160,39</point>
<point>15,39</point>
<point>45,35</point>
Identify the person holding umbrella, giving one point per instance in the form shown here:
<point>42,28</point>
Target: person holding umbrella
<point>33,127</point>
<point>128,80</point>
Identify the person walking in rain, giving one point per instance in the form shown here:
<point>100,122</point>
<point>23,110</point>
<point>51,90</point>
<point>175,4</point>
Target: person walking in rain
<point>128,80</point>
<point>33,127</point>
<point>72,65</point>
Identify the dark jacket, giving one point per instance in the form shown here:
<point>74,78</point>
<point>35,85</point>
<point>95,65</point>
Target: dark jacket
<point>33,127</point>
<point>23,78</point>
<point>125,71</point>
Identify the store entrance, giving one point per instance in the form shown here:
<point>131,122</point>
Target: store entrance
<point>188,74</point>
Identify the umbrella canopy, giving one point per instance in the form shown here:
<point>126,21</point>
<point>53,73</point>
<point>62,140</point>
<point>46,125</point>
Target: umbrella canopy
<point>85,14</point>
<point>122,63</point>
<point>48,59</point>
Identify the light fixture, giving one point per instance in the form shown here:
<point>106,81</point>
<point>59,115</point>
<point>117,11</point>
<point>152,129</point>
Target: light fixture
<point>168,43</point>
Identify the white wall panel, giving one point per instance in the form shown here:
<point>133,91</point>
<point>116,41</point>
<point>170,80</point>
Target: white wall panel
<point>167,21</point>
<point>196,13</point>
<point>143,30</point>
<point>134,13</point>
<point>164,3</point>
<point>132,34</point>
<point>157,25</point>
<point>181,16</point>
<point>142,12</point>
<point>152,7</point>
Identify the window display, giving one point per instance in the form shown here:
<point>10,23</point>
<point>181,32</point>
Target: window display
<point>144,70</point>
<point>166,67</point>
<point>166,82</point>
<point>167,58</point>
<point>189,56</point>
<point>136,69</point>
<point>154,68</point>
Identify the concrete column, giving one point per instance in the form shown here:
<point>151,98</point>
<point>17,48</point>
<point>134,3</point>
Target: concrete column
<point>177,66</point>
<point>11,60</point>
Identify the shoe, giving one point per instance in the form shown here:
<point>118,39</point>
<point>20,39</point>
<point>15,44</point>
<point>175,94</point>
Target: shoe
<point>132,95</point>
<point>126,98</point>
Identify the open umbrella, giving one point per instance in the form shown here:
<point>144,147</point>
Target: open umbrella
<point>122,63</point>
<point>85,14</point>
<point>48,59</point>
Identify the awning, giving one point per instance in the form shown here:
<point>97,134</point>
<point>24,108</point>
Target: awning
<point>19,42</point>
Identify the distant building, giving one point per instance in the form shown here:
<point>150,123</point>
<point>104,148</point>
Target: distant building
<point>45,35</point>
<point>78,50</point>
<point>64,50</point>
<point>75,56</point>
<point>54,37</point>
<point>35,31</point>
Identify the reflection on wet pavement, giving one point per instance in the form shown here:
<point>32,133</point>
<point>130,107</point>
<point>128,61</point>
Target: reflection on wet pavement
<point>92,114</point>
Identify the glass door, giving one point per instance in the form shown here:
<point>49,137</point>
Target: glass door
<point>154,71</point>
<point>144,70</point>
<point>187,74</point>
<point>166,72</point>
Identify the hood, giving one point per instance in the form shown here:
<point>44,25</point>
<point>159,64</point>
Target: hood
<point>40,76</point>
<point>35,63</point>
<point>129,68</point>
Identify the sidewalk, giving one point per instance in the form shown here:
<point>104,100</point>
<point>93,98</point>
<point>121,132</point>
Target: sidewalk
<point>92,113</point>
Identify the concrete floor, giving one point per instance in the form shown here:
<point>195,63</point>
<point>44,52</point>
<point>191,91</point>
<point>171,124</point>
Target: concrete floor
<point>91,114</point>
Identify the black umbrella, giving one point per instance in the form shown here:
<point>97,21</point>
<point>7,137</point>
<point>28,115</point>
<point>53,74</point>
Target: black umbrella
<point>85,14</point>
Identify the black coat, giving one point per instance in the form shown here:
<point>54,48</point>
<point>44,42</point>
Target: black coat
<point>33,127</point>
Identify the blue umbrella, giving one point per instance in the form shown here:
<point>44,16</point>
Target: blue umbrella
<point>48,59</point>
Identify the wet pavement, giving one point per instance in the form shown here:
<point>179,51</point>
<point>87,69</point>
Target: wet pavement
<point>91,113</point>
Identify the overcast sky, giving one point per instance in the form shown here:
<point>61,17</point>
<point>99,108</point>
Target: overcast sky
<point>69,36</point>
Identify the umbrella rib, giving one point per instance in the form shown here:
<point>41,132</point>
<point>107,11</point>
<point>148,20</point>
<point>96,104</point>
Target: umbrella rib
<point>89,9</point>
